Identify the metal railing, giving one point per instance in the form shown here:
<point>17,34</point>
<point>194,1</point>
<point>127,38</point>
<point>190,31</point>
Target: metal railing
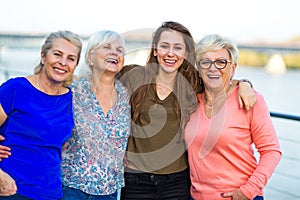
<point>285,116</point>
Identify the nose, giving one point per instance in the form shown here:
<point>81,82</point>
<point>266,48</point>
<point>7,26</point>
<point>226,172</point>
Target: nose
<point>213,66</point>
<point>171,51</point>
<point>63,61</point>
<point>113,50</point>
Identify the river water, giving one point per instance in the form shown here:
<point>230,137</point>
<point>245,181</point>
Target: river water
<point>282,96</point>
<point>280,91</point>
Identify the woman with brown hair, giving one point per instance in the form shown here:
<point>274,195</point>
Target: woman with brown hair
<point>163,98</point>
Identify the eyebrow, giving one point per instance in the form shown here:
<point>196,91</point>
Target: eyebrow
<point>75,55</point>
<point>180,44</point>
<point>120,46</point>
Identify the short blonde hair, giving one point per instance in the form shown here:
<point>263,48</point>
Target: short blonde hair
<point>215,42</point>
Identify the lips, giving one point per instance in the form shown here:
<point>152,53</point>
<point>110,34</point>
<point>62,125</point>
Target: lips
<point>213,76</point>
<point>170,63</point>
<point>60,70</point>
<point>112,60</point>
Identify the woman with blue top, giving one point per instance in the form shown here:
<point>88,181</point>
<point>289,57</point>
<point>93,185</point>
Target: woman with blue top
<point>36,118</point>
<point>92,163</point>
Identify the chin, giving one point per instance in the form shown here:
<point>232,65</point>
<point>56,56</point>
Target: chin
<point>169,69</point>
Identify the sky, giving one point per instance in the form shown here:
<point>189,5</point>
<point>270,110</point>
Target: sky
<point>242,20</point>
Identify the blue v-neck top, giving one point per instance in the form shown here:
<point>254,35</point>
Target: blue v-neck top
<point>37,126</point>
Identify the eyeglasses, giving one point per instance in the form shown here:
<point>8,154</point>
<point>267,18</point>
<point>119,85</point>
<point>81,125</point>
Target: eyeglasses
<point>219,63</point>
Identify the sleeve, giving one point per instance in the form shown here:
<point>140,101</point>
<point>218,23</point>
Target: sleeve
<point>265,139</point>
<point>132,76</point>
<point>7,93</point>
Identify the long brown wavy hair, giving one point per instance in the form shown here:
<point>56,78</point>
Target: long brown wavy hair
<point>187,70</point>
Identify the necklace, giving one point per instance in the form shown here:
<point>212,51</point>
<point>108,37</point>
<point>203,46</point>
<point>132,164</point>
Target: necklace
<point>163,89</point>
<point>212,105</point>
<point>42,89</point>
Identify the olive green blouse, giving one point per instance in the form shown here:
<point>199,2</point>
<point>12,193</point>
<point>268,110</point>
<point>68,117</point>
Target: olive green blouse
<point>156,144</point>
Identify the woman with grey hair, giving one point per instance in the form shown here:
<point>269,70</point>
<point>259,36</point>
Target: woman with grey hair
<point>92,163</point>
<point>220,135</point>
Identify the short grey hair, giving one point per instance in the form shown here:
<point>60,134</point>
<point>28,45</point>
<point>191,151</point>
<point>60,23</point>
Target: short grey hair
<point>215,42</point>
<point>101,37</point>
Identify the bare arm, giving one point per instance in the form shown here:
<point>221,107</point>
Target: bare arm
<point>3,116</point>
<point>4,151</point>
<point>7,184</point>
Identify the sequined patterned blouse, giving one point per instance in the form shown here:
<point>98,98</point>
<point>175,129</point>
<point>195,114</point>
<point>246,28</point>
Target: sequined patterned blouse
<point>93,156</point>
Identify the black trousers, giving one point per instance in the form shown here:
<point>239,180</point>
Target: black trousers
<point>147,186</point>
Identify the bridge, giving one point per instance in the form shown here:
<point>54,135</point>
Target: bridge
<point>137,47</point>
<point>27,40</point>
<point>271,49</point>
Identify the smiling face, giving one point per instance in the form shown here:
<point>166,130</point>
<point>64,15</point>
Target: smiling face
<point>214,78</point>
<point>108,57</point>
<point>60,61</point>
<point>170,51</point>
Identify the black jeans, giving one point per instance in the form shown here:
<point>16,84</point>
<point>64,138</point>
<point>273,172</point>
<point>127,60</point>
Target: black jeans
<point>147,186</point>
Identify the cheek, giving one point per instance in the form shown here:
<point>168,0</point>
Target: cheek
<point>160,54</point>
<point>121,63</point>
<point>180,61</point>
<point>122,60</point>
<point>227,75</point>
<point>72,68</point>
<point>181,54</point>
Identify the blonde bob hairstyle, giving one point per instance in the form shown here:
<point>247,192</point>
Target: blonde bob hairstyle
<point>66,35</point>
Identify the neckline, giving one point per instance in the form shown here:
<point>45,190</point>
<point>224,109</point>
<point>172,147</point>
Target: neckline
<point>202,103</point>
<point>41,92</point>
<point>157,97</point>
<point>227,93</point>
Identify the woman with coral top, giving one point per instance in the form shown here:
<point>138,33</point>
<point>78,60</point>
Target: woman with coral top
<point>220,135</point>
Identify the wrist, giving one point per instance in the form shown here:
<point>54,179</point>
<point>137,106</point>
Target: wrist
<point>245,80</point>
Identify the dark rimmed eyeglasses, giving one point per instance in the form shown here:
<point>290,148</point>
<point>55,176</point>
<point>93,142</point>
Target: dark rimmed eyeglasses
<point>219,63</point>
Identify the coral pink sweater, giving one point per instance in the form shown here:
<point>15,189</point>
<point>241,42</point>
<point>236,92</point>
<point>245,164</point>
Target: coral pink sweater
<point>220,149</point>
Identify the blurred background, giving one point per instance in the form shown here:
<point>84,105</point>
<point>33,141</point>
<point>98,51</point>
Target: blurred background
<point>267,33</point>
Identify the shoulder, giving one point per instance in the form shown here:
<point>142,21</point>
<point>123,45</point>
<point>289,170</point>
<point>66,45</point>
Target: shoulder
<point>260,101</point>
<point>122,90</point>
<point>18,83</point>
<point>131,70</point>
<point>259,96</point>
<point>17,80</point>
<point>132,76</point>
<point>79,83</point>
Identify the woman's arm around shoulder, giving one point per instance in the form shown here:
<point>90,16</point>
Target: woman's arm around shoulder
<point>247,97</point>
<point>132,76</point>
